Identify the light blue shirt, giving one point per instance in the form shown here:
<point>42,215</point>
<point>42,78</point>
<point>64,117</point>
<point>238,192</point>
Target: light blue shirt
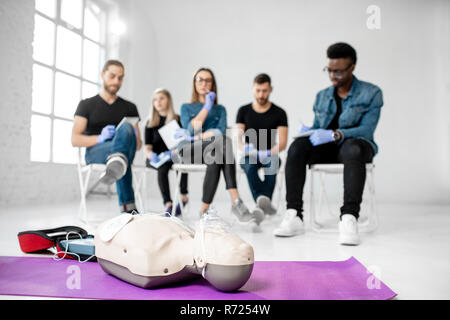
<point>360,111</point>
<point>216,119</point>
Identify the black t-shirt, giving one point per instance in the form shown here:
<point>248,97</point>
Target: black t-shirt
<point>100,114</point>
<point>267,122</point>
<point>153,138</point>
<point>334,124</point>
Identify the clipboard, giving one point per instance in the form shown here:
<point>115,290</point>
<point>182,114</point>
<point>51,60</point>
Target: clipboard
<point>167,134</point>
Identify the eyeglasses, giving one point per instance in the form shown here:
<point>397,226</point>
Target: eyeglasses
<point>200,80</point>
<point>337,73</point>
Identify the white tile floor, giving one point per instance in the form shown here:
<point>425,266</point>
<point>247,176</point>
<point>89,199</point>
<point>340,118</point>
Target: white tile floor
<point>410,250</point>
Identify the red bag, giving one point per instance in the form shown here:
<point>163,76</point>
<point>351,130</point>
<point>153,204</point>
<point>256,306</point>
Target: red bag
<point>33,241</point>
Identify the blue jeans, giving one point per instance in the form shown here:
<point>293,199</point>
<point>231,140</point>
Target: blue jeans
<point>257,186</point>
<point>124,141</point>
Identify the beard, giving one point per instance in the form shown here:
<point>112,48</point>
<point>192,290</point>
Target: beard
<point>262,101</point>
<point>111,89</point>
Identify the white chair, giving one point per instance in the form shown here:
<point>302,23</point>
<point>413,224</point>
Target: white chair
<point>139,173</point>
<point>84,175</point>
<point>180,169</point>
<point>366,224</point>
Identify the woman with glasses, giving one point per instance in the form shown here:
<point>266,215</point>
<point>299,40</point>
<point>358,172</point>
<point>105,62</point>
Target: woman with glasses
<point>204,141</point>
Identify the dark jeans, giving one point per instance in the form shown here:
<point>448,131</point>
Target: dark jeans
<point>124,141</point>
<point>163,180</point>
<point>257,186</point>
<point>217,154</point>
<point>353,153</point>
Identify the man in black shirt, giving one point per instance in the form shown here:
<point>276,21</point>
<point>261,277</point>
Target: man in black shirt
<point>95,127</point>
<point>260,123</point>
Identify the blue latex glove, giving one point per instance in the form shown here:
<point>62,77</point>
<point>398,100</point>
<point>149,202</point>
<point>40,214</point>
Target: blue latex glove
<point>303,129</point>
<point>107,133</point>
<point>263,155</point>
<point>248,148</point>
<point>154,157</point>
<point>168,153</point>
<point>183,133</point>
<point>209,100</point>
<point>321,136</point>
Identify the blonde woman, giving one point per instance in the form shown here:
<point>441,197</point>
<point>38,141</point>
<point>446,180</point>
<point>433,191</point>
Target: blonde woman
<point>162,113</point>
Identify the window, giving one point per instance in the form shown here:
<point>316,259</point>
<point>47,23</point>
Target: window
<point>68,52</point>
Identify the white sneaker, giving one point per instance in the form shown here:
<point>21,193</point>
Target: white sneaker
<point>348,230</point>
<point>291,225</point>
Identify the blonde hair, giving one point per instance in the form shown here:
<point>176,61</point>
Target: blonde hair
<point>154,118</point>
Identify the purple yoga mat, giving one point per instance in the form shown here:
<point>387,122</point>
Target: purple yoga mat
<point>272,280</point>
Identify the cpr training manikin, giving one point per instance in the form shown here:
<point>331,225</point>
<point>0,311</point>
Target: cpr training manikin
<point>151,250</point>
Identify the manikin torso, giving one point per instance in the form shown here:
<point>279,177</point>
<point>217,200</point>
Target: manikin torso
<point>151,250</point>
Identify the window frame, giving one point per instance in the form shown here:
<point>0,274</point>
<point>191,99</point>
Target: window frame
<point>103,50</point>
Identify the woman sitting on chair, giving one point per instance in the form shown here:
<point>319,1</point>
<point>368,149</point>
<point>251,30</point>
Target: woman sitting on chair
<point>156,150</point>
<point>205,141</point>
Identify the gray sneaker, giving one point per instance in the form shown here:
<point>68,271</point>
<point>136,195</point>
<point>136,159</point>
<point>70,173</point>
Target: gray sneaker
<point>265,204</point>
<point>116,167</point>
<point>241,211</point>
<point>258,215</point>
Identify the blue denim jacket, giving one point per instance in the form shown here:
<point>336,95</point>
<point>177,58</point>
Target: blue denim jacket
<point>215,121</point>
<point>360,111</point>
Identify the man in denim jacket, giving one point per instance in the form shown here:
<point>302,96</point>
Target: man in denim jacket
<point>345,117</point>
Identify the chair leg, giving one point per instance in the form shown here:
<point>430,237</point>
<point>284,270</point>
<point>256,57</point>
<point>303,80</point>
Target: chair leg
<point>83,190</point>
<point>138,181</point>
<point>312,205</point>
<point>177,192</point>
<point>371,223</point>
<point>184,211</point>
<point>144,189</point>
<point>280,185</point>
<point>324,194</point>
<point>368,225</point>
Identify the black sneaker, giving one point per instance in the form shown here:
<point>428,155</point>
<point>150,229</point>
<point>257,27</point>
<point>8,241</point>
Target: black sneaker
<point>129,208</point>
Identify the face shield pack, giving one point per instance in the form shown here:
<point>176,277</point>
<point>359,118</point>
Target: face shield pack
<point>151,250</point>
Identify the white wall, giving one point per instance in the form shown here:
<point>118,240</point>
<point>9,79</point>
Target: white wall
<point>23,181</point>
<point>166,41</point>
<point>407,58</point>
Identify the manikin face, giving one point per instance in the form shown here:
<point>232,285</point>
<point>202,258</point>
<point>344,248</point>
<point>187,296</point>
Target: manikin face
<point>340,71</point>
<point>203,82</point>
<point>261,92</point>
<point>112,79</point>
<point>161,102</point>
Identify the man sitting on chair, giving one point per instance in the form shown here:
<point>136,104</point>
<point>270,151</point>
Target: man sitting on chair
<point>262,123</point>
<point>95,127</point>
<point>345,117</point>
